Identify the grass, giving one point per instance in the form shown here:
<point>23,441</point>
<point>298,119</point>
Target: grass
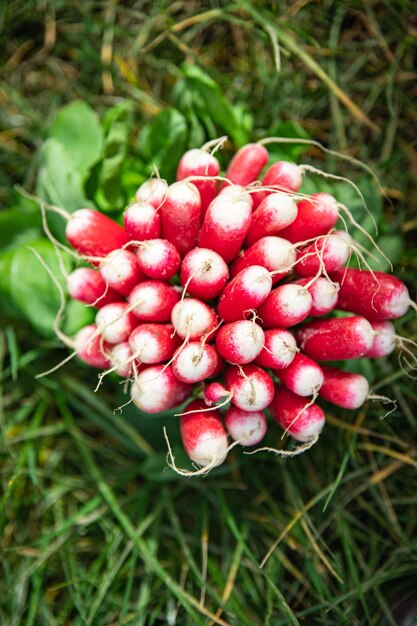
<point>94,529</point>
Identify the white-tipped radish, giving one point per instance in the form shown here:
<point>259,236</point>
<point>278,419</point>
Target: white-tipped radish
<point>215,393</point>
<point>180,216</point>
<point>323,292</point>
<point>193,319</point>
<point>277,255</point>
<point>91,348</point>
<point>200,164</point>
<point>324,255</point>
<point>158,258</point>
<point>244,293</point>
<point>87,285</point>
<point>195,362</point>
<point>156,389</point>
<point>204,273</point>
<point>384,340</point>
<point>203,436</point>
<point>300,419</point>
<point>248,428</point>
<point>115,322</point>
<point>303,376</point>
<point>286,306</point>
<point>282,176</point>
<point>153,301</point>
<point>121,359</point>
<point>251,386</point>
<point>317,215</point>
<point>279,349</point>
<point>345,389</point>
<point>120,271</point>
<point>153,343</point>
<point>336,339</point>
<point>247,164</point>
<point>142,221</point>
<point>93,234</point>
<point>276,211</point>
<point>240,342</point>
<point>152,191</point>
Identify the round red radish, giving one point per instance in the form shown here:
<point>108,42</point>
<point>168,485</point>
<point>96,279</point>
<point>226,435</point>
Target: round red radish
<point>87,285</point>
<point>199,163</point>
<point>240,342</point>
<point>283,176</point>
<point>91,348</point>
<point>247,164</point>
<point>251,386</point>
<point>274,253</point>
<point>93,234</point>
<point>152,192</point>
<point>384,340</point>
<point>344,389</point>
<point>203,435</point>
<point>142,221</point>
<point>195,362</point>
<point>303,376</point>
<point>204,272</point>
<point>180,216</point>
<point>336,339</point>
<point>246,427</point>
<point>288,410</point>
<point>121,359</point>
<point>286,306</point>
<point>323,292</point>
<point>275,212</point>
<point>153,301</point>
<point>193,319</point>
<point>120,271</point>
<point>158,258</point>
<point>327,254</point>
<point>153,343</point>
<point>279,349</point>
<point>115,322</point>
<point>156,389</point>
<point>244,293</point>
<point>317,215</point>
<point>214,393</point>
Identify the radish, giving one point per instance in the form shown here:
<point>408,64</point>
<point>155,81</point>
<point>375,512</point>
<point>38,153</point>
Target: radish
<point>115,322</point>
<point>277,255</point>
<point>121,271</point>
<point>87,285</point>
<point>286,306</point>
<point>236,192</point>
<point>303,376</point>
<point>251,386</point>
<point>152,191</point>
<point>302,421</point>
<point>384,340</point>
<point>153,301</point>
<point>156,389</point>
<point>246,427</point>
<point>327,254</point>
<point>195,362</point>
<point>199,163</point>
<point>193,319</point>
<point>240,342</point>
<point>180,216</point>
<point>153,343</point>
<point>279,349</point>
<point>94,234</point>
<point>214,393</point>
<point>91,348</point>
<point>323,293</point>
<point>344,389</point>
<point>244,293</point>
<point>203,436</point>
<point>336,339</point>
<point>375,295</point>
<point>247,164</point>
<point>204,273</point>
<point>142,221</point>
<point>283,176</point>
<point>158,258</point>
<point>274,213</point>
<point>121,359</point>
<point>317,215</point>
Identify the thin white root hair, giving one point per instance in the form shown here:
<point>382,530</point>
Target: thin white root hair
<point>56,244</point>
<point>211,408</point>
<point>58,365</point>
<point>383,400</point>
<point>203,471</point>
<point>288,453</point>
<point>301,411</point>
<point>214,145</point>
<point>51,207</point>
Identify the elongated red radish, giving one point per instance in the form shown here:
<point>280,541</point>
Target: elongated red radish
<point>344,389</point>
<point>288,410</point>
<point>153,343</point>
<point>203,435</point>
<point>375,295</point>
<point>153,301</point>
<point>246,427</point>
<point>156,389</point>
<point>180,216</point>
<point>324,255</point>
<point>240,342</point>
<point>193,319</point>
<point>244,293</point>
<point>121,271</point>
<point>236,192</point>
<point>158,258</point>
<point>286,306</point>
<point>121,359</point>
<point>317,215</point>
<point>197,162</point>
<point>142,221</point>
<point>225,225</point>
<point>195,362</point>
<point>384,340</point>
<point>274,213</point>
<point>283,176</point>
<point>214,393</point>
<point>273,253</point>
<point>152,191</point>
<point>303,376</point>
<point>87,285</point>
<point>323,292</point>
<point>336,339</point>
<point>279,349</point>
<point>93,234</point>
<point>92,351</point>
<point>251,386</point>
<point>115,322</point>
<point>247,164</point>
<point>204,272</point>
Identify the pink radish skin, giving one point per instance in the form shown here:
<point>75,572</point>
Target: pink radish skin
<point>153,301</point>
<point>152,192</point>
<point>375,295</point>
<point>214,393</point>
<point>279,349</point>
<point>153,343</point>
<point>285,408</point>
<point>247,164</point>
<point>121,359</point>
<point>180,216</point>
<point>286,306</point>
<point>246,427</point>
<point>199,163</point>
<point>336,339</point>
<point>208,273</point>
<point>273,253</point>
<point>384,340</point>
<point>120,271</point>
<point>344,389</point>
<point>317,215</point>
<point>240,342</point>
<point>303,376</point>
<point>251,386</point>
<point>93,234</point>
<point>283,176</point>
<point>274,213</point>
<point>87,285</point>
<point>323,292</point>
<point>142,221</point>
<point>332,252</point>
<point>244,293</point>
<point>158,258</point>
<point>195,362</point>
<point>115,322</point>
<point>92,351</point>
<point>193,319</point>
<point>156,389</point>
<point>203,436</point>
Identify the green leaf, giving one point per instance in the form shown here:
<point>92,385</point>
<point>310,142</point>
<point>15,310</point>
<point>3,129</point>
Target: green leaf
<point>18,222</point>
<point>77,315</point>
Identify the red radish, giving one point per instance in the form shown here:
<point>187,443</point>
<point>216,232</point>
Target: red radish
<point>195,362</point>
<point>92,351</point>
<point>286,306</point>
<point>251,386</point>
<point>288,410</point>
<point>153,301</point>
<point>156,389</point>
<point>274,213</point>
<point>247,164</point>
<point>93,234</point>
<point>244,293</point>
<point>323,292</point>
<point>203,435</point>
<point>214,393</point>
<point>240,342</point>
<point>197,162</point>
<point>87,285</point>
<point>283,176</point>
<point>303,376</point>
<point>324,255</point>
<point>121,359</point>
<point>246,427</point>
<point>204,272</point>
<point>153,343</point>
<point>375,295</point>
<point>193,319</point>
<point>115,322</point>
<point>279,349</point>
<point>236,192</point>
<point>180,216</point>
<point>384,340</point>
<point>152,191</point>
<point>142,221</point>
<point>317,215</point>
<point>344,389</point>
<point>274,253</point>
<point>121,271</point>
<point>336,339</point>
<point>225,225</point>
<point>158,258</point>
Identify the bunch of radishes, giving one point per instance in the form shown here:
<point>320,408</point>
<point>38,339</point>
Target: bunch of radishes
<point>205,293</point>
